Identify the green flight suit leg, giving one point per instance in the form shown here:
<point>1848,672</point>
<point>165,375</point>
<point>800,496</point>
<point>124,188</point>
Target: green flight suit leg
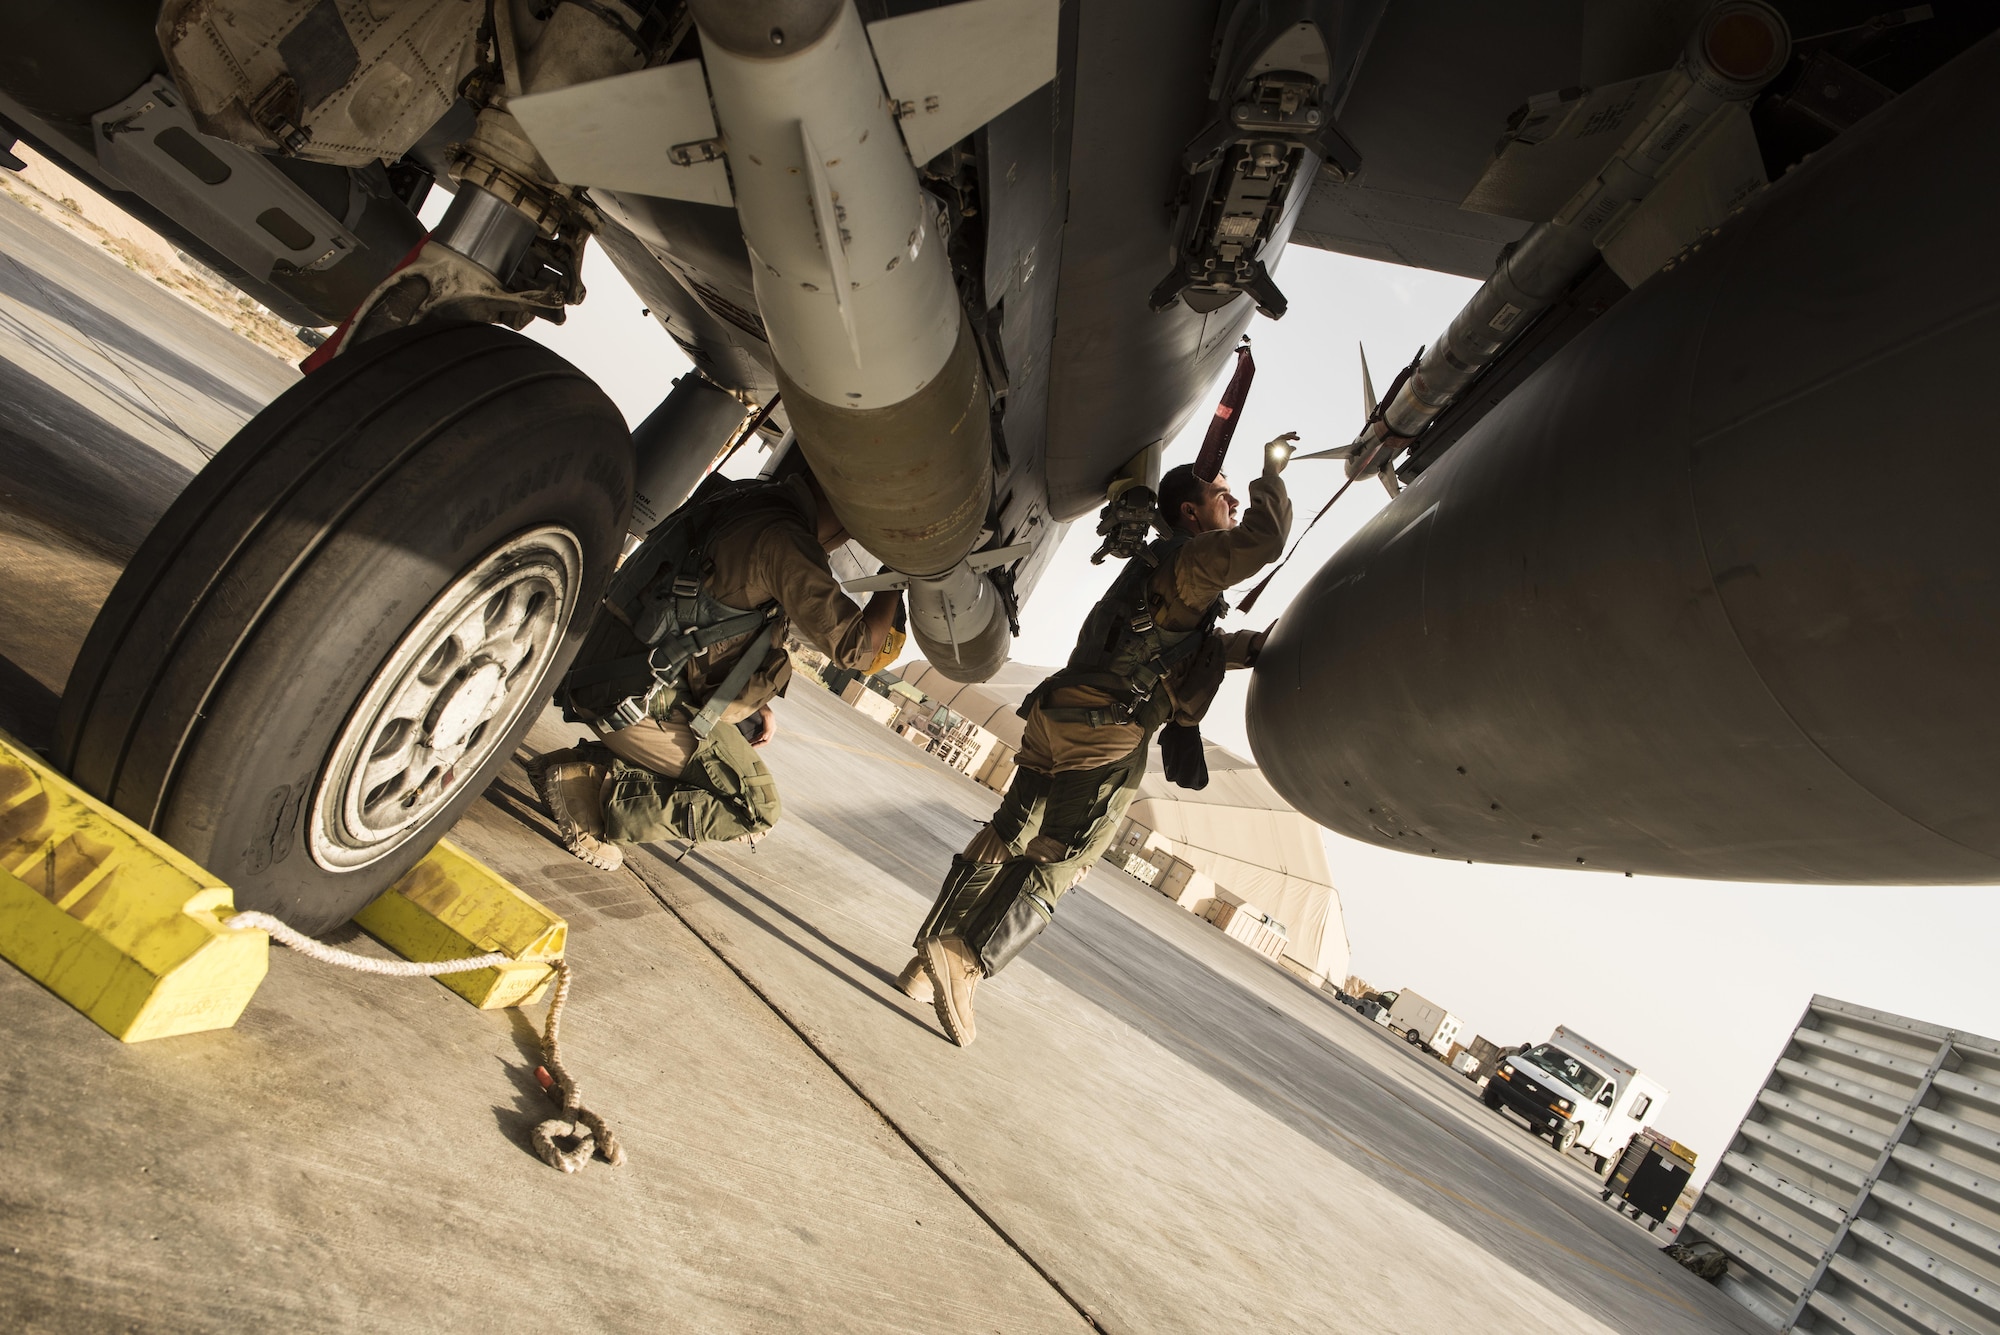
<point>1056,826</point>
<point>724,792</point>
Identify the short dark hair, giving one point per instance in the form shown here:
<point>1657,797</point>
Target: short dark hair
<point>1179,486</point>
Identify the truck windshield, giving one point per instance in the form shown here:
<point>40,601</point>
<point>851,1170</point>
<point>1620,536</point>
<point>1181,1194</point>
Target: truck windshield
<point>1564,1068</point>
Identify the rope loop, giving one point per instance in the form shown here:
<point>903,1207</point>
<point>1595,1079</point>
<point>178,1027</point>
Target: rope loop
<point>585,1129</point>
<point>587,1133</point>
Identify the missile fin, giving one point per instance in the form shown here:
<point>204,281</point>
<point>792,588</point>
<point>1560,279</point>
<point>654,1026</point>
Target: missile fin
<point>978,561</point>
<point>1000,556</point>
<point>954,68</point>
<point>888,579</point>
<point>1368,404</point>
<point>650,132</point>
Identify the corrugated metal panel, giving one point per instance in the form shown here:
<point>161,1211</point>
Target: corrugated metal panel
<point>1862,1192</point>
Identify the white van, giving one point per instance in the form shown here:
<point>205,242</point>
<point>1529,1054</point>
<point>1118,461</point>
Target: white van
<point>1578,1093</point>
<point>1423,1023</point>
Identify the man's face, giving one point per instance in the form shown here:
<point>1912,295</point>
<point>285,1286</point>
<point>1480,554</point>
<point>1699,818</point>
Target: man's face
<point>1216,509</point>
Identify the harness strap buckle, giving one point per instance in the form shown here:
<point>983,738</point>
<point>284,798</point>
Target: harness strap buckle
<point>677,653</point>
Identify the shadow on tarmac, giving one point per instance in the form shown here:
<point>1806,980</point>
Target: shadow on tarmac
<point>27,708</point>
<point>692,867</point>
<point>925,853</point>
<point>68,471</point>
<point>59,303</point>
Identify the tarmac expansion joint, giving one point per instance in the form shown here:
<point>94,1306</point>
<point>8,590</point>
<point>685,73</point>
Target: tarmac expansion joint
<point>813,1045</point>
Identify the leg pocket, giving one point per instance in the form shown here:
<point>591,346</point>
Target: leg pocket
<point>726,791</point>
<point>638,809</point>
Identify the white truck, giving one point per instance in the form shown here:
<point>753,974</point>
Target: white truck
<point>1578,1094</point>
<point>1423,1023</point>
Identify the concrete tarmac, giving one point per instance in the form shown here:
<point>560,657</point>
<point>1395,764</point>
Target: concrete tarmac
<point>1157,1130</point>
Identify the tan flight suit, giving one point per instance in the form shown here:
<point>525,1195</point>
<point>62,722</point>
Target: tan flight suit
<point>1076,777</point>
<point>668,783</point>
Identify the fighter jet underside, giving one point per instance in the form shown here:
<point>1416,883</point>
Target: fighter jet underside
<point>1669,583</point>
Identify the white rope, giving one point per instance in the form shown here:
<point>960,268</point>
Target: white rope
<point>587,1133</point>
<point>347,959</point>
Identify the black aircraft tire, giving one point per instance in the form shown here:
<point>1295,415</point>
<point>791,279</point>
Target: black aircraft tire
<point>388,566</point>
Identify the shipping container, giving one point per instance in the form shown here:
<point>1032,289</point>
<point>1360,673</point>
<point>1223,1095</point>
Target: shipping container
<point>1488,1054</point>
<point>1651,1176</point>
<point>1247,923</point>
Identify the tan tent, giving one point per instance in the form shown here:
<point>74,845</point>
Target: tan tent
<point>1240,834</point>
<point>1237,831</point>
<point>990,704</point>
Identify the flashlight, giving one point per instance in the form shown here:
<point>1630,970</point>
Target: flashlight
<point>1280,450</point>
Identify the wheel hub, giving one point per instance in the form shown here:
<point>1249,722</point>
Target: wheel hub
<point>445,697</point>
<point>471,701</point>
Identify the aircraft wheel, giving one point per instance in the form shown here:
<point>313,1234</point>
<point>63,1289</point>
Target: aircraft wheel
<point>343,627</point>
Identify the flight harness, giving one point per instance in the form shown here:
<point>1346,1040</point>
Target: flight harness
<point>662,594</point>
<point>1124,652</point>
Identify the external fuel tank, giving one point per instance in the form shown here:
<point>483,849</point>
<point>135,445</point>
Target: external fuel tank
<point>1716,592</point>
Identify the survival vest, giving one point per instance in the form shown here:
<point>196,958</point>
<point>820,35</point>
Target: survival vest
<point>1125,653</point>
<point>662,595</point>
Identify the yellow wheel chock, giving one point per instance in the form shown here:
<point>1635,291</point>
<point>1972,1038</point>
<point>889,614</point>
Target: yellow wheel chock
<point>121,926</point>
<point>109,918</point>
<point>452,906</point>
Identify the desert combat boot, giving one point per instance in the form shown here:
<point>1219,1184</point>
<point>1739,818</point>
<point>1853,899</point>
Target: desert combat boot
<point>571,784</point>
<point>914,983</point>
<point>954,971</point>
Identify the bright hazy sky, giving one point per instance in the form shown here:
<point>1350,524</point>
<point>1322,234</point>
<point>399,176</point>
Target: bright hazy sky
<point>1696,982</point>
